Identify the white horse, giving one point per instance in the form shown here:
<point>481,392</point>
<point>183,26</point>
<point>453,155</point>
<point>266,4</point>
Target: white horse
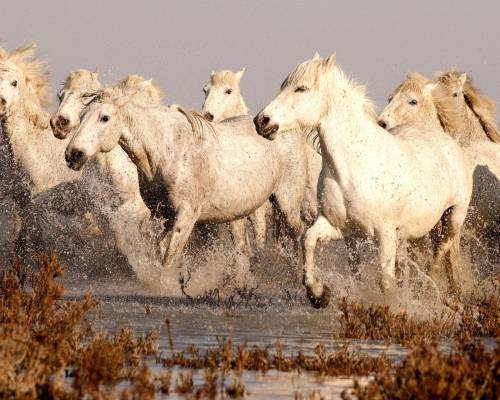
<point>223,100</point>
<point>451,104</point>
<point>32,157</point>
<point>373,184</point>
<point>115,167</point>
<point>24,92</point>
<point>192,170</point>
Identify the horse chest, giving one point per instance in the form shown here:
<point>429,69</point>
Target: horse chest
<point>345,209</point>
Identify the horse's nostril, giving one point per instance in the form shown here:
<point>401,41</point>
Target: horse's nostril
<point>382,123</point>
<point>74,156</point>
<point>264,121</point>
<point>3,101</point>
<point>62,121</point>
<point>209,116</point>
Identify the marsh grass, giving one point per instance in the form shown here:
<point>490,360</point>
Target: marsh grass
<point>49,351</point>
<point>479,318</point>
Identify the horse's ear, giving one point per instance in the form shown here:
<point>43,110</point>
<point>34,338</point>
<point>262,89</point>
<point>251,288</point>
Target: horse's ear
<point>212,74</point>
<point>330,61</point>
<point>240,73</point>
<point>316,56</point>
<point>463,78</point>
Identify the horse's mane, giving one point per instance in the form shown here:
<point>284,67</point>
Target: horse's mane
<point>309,71</point>
<point>36,72</point>
<point>414,82</point>
<point>201,127</point>
<point>482,107</point>
<point>358,91</point>
<point>312,139</point>
<point>223,76</point>
<point>82,78</point>
<point>449,115</point>
<point>306,72</point>
<point>149,94</point>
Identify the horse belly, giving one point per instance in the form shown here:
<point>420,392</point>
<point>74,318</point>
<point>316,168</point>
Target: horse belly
<point>243,175</point>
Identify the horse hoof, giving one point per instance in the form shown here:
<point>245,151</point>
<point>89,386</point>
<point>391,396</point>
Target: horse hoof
<point>321,301</point>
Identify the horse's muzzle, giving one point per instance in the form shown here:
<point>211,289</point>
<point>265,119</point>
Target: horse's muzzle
<point>74,159</point>
<point>60,126</point>
<point>264,126</point>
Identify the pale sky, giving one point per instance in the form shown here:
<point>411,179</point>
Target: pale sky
<point>178,43</point>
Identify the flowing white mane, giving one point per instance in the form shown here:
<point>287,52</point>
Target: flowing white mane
<point>36,72</point>
<point>356,92</point>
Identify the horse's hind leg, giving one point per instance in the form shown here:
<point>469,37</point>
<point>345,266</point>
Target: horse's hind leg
<point>447,253</point>
<point>259,224</point>
<point>240,238</point>
<point>322,231</point>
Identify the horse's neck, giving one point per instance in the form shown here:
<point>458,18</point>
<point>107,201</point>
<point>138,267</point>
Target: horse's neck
<point>431,121</point>
<point>36,152</point>
<point>469,130</point>
<point>17,129</point>
<point>143,140</point>
<point>348,136</point>
<point>476,128</point>
<point>238,109</point>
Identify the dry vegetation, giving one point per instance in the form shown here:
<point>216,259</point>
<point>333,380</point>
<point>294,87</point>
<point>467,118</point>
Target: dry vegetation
<point>376,322</point>
<point>469,372</point>
<point>48,350</point>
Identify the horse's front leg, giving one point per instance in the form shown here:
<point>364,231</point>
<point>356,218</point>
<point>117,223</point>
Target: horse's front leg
<point>353,259</point>
<point>176,239</point>
<point>318,293</point>
<point>388,245</point>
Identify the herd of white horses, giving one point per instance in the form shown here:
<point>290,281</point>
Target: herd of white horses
<point>316,158</point>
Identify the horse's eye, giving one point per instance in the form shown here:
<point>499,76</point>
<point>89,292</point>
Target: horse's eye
<point>301,89</point>
<point>60,95</point>
<point>104,118</point>
<point>229,91</point>
<point>455,94</point>
<point>14,83</point>
<point>413,102</point>
<point>205,90</point>
<point>389,99</point>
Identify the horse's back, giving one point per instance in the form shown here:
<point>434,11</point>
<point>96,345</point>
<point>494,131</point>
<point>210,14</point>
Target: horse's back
<point>240,170</point>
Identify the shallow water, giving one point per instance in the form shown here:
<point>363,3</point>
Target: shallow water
<point>298,328</point>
